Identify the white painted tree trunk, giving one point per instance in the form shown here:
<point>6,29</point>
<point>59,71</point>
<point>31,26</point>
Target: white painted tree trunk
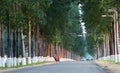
<point>119,58</point>
<point>18,61</point>
<point>29,60</point>
<point>3,62</point>
<point>32,60</point>
<point>112,57</point>
<point>23,48</point>
<point>23,61</point>
<point>12,62</point>
<point>0,62</point>
<point>39,59</point>
<point>9,62</point>
<point>36,59</point>
<point>15,61</point>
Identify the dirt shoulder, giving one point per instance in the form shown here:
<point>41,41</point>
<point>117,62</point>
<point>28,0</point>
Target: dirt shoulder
<point>109,67</point>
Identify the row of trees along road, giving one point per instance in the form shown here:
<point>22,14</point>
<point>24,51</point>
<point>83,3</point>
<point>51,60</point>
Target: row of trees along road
<point>101,30</point>
<point>36,28</point>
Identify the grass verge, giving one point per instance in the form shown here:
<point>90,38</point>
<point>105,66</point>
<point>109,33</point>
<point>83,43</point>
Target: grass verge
<point>109,61</point>
<point>27,65</point>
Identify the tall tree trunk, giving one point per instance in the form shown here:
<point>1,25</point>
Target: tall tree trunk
<point>104,44</point>
<point>39,46</point>
<point>62,50</point>
<point>111,42</point>
<point>49,48</point>
<point>65,53</point>
<point>119,32</point>
<point>36,42</point>
<point>52,49</point>
<point>115,36</point>
<point>56,48</point>
<point>112,37</point>
<point>108,46</point>
<point>44,46</point>
<point>17,45</point>
<point>14,48</point>
<point>9,44</point>
<point>23,48</point>
<point>51,53</point>
<point>33,45</point>
<point>59,48</point>
<point>29,41</point>
<point>119,36</point>
<point>0,44</point>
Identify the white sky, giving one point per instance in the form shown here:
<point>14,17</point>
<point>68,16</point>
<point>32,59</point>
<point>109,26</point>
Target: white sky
<point>82,23</point>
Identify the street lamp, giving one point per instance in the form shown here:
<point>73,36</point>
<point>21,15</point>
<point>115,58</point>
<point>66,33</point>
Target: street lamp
<point>115,35</point>
<point>107,16</point>
<point>75,34</point>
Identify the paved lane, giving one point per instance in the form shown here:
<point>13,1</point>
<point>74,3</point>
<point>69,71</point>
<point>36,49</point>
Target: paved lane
<point>63,67</point>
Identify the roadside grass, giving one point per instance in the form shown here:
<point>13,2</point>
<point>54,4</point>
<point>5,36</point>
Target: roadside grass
<point>27,65</point>
<point>32,64</point>
<point>2,68</point>
<point>110,61</point>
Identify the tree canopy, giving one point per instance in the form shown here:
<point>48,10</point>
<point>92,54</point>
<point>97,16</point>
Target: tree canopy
<point>59,19</point>
<point>96,25</point>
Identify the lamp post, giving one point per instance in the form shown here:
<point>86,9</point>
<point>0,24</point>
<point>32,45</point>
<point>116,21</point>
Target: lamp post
<point>114,16</point>
<point>115,35</point>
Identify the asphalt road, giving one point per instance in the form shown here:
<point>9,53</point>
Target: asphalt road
<point>63,67</point>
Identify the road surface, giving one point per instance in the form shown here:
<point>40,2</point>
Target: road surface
<point>63,67</point>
